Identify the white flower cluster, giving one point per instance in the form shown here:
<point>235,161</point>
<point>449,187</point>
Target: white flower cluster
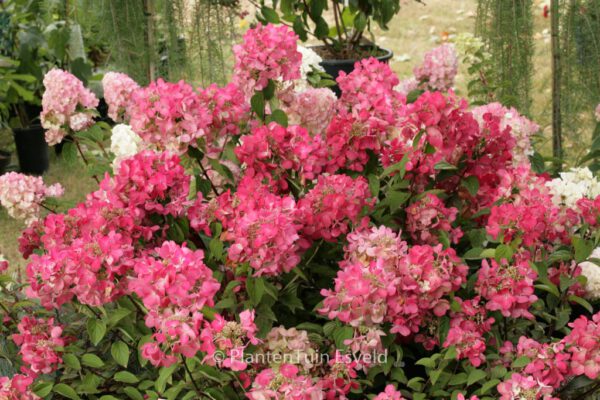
<point>591,271</point>
<point>310,61</point>
<point>469,46</point>
<point>124,143</point>
<point>574,185</point>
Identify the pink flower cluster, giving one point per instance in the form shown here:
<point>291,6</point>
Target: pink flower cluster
<point>271,152</point>
<point>507,287</point>
<point>549,363</point>
<point>467,330</point>
<point>584,346</point>
<point>23,195</point>
<point>332,205</point>
<point>403,289</point>
<point>169,115</point>
<point>521,128</point>
<point>174,285</point>
<point>228,109</point>
<point>524,387</point>
<point>435,129</point>
<point>390,393</point>
<point>429,215</point>
<point>118,90</point>
<point>368,111</point>
<point>268,52</point>
<point>284,384</point>
<point>90,250</point>
<point>261,227</point>
<point>439,68</point>
<point>311,109</point>
<point>38,342</point>
<point>66,105</point>
<point>229,338</point>
<point>17,388</point>
<point>531,216</point>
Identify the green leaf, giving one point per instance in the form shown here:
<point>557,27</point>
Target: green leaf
<point>69,152</point>
<point>397,198</point>
<point>126,377</point>
<point>458,379</point>
<point>374,185</point>
<point>503,252</point>
<point>520,362</point>
<point>96,330</point>
<point>66,391</point>
<point>163,376</point>
<point>120,353</point>
<point>270,15</point>
<point>43,389</point>
<point>108,397</point>
<point>489,385</point>
<point>475,376</point>
<point>341,334</point>
<point>582,302</point>
<point>360,22</point>
<point>256,289</point>
<point>71,361</point>
<point>583,248</point>
<point>299,28</point>
<point>257,102</point>
<point>426,362</point>
<point>471,183</point>
<point>548,288</point>
<point>443,165</point>
<point>92,360</point>
<point>117,315</point>
<point>280,117</point>
<point>400,167</point>
<point>321,28</point>
<point>133,393</point>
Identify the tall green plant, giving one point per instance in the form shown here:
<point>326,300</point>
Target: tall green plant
<point>507,29</point>
<point>172,39</point>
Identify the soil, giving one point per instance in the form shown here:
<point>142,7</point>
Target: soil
<point>357,53</point>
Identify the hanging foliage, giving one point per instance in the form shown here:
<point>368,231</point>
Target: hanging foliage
<point>506,26</point>
<point>172,39</point>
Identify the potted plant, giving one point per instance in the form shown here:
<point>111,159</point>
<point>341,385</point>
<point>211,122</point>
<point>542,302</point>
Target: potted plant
<point>34,43</point>
<point>339,25</point>
<point>16,99</point>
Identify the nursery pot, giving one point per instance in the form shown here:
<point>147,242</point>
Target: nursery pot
<point>334,66</point>
<point>4,161</point>
<point>32,149</point>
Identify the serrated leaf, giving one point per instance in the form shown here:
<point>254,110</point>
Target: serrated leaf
<point>96,330</point>
<point>126,377</point>
<point>66,391</point>
<point>471,183</point>
<point>256,289</point>
<point>120,353</point>
<point>43,389</point>
<point>163,376</point>
<point>92,360</point>
<point>280,117</point>
<point>133,393</point>
<point>520,362</point>
<point>71,361</point>
<point>444,166</point>
<point>475,376</point>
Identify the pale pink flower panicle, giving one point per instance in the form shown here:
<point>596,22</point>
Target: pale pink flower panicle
<point>66,105</point>
<point>118,90</point>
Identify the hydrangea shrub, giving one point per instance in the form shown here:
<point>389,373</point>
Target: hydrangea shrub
<point>266,240</point>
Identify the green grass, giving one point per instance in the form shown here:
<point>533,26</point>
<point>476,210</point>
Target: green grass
<point>73,177</point>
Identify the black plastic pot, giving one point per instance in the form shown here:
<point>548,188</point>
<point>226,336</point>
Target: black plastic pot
<point>4,161</point>
<point>334,66</point>
<point>32,149</point>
